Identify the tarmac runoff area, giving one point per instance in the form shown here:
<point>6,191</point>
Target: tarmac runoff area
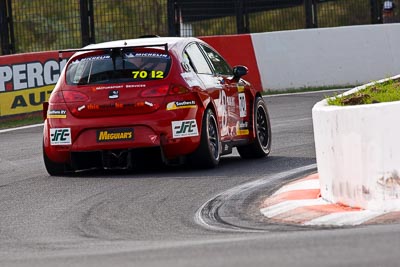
<point>300,203</point>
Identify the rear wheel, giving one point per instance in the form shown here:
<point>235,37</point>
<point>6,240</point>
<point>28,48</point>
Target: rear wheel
<point>208,153</point>
<point>53,168</point>
<point>262,142</point>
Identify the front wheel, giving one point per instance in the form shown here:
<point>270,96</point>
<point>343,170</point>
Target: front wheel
<point>207,155</point>
<point>262,143</point>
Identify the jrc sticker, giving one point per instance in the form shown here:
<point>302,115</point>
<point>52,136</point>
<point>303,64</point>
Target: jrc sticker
<point>181,104</point>
<point>185,128</point>
<point>60,136</point>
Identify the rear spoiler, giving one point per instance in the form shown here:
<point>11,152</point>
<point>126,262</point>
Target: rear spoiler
<point>113,51</point>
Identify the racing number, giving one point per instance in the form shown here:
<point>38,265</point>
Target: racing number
<point>144,74</point>
<point>242,105</point>
<point>223,111</point>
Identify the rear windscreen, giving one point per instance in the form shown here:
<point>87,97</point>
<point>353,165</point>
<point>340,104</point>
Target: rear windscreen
<point>126,67</point>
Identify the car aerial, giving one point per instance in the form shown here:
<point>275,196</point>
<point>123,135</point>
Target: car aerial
<point>169,100</point>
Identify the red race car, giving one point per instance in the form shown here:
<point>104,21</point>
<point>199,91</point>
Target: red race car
<point>138,102</point>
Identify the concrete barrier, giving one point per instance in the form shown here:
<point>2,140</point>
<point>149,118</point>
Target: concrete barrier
<point>327,56</point>
<point>358,153</point>
<point>322,57</point>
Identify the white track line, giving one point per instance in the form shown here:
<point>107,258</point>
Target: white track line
<point>21,128</point>
<point>345,218</point>
<point>290,205</point>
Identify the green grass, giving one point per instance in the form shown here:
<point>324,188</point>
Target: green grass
<point>388,91</point>
<point>21,121</point>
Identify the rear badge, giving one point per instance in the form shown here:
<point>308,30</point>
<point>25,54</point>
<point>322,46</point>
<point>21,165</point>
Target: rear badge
<point>122,134</point>
<point>113,94</point>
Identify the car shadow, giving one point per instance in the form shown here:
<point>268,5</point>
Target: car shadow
<point>229,166</point>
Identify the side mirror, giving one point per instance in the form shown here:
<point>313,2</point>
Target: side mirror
<point>239,71</point>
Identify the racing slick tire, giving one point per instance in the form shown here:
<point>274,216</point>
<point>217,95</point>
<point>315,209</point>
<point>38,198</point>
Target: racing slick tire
<point>207,155</point>
<point>262,143</point>
<point>53,168</point>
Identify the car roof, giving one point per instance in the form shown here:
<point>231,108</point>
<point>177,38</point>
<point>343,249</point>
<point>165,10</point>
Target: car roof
<point>171,41</point>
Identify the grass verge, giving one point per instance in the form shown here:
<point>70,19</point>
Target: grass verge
<point>388,91</point>
<point>22,120</point>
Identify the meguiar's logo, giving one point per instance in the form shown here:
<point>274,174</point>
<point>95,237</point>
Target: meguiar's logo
<point>60,136</point>
<point>115,135</point>
<point>184,128</point>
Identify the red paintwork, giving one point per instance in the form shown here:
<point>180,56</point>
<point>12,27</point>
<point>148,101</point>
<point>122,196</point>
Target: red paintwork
<point>152,127</point>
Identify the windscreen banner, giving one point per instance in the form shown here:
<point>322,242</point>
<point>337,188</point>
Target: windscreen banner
<point>26,81</point>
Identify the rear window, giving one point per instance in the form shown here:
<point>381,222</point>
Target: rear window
<point>127,67</point>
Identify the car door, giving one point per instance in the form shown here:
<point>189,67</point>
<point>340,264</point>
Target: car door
<point>234,97</point>
<point>213,84</point>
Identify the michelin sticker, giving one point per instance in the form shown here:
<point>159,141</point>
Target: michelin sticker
<point>184,128</point>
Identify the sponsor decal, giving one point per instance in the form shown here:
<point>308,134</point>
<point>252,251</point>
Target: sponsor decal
<point>60,136</point>
<point>131,55</point>
<point>184,128</point>
<point>57,114</point>
<point>242,105</point>
<point>181,104</point>
<point>242,128</point>
<point>109,87</point>
<point>122,134</point>
<point>231,101</point>
<point>135,85</point>
<point>93,58</point>
<point>240,88</point>
<point>118,105</point>
<point>113,94</point>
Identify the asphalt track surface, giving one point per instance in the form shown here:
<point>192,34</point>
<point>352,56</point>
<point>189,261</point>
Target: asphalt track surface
<point>175,216</point>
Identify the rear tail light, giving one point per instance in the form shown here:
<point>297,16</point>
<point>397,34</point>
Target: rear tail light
<point>164,90</point>
<point>68,97</point>
<point>74,96</point>
<point>56,97</point>
<point>178,90</point>
<point>155,91</point>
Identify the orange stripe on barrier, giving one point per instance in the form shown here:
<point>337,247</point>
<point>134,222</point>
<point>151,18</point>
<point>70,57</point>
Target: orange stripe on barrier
<point>292,195</point>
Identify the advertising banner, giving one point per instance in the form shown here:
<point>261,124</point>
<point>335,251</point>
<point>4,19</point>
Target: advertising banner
<point>26,81</point>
